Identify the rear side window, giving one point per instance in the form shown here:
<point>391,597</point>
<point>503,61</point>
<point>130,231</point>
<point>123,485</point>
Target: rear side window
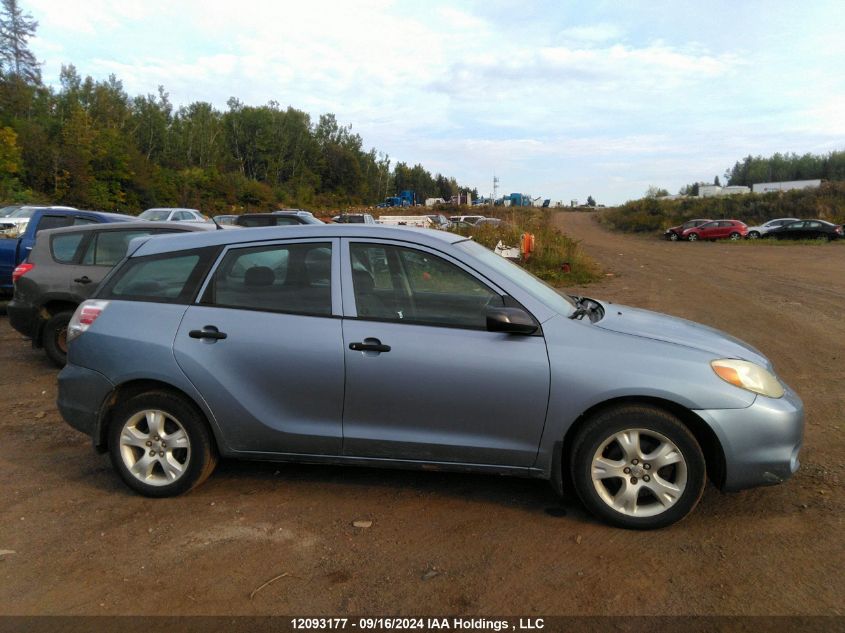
<point>293,278</point>
<point>53,222</point>
<point>167,278</point>
<point>109,247</point>
<point>63,247</point>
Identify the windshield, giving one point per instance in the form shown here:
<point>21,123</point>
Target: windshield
<point>538,288</point>
<point>156,215</point>
<point>7,211</point>
<point>25,212</point>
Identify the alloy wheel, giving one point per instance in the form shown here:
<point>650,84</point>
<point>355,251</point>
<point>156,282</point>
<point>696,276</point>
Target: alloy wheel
<point>639,472</point>
<point>154,447</point>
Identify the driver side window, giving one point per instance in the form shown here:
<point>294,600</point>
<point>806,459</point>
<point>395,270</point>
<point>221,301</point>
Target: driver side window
<point>393,283</point>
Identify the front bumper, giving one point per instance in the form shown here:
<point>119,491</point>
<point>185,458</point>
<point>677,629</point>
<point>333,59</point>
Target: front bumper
<point>22,317</point>
<point>81,395</point>
<point>761,442</point>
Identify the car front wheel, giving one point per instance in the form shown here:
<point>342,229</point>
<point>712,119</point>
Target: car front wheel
<point>160,444</point>
<point>735,236</point>
<point>673,237</point>
<point>637,467</point>
<point>753,235</point>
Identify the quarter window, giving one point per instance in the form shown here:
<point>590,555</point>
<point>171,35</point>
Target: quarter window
<point>64,247</point>
<point>167,278</point>
<point>400,284</point>
<point>294,278</point>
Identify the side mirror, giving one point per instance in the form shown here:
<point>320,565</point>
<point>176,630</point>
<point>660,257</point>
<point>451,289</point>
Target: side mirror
<point>510,321</point>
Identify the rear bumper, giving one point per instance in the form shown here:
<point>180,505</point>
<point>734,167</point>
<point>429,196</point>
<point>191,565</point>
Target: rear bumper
<point>81,395</point>
<point>761,442</point>
<point>22,317</point>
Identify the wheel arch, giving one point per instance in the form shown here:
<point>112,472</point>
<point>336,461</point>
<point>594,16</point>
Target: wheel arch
<point>133,388</point>
<point>714,455</point>
<point>49,307</point>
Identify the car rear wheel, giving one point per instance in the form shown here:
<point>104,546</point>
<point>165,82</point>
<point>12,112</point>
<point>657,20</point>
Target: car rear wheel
<point>735,236</point>
<point>638,467</point>
<point>54,337</point>
<point>693,237</point>
<point>160,444</point>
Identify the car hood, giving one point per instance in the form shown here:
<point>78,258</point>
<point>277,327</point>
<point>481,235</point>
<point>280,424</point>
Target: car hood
<point>669,329</point>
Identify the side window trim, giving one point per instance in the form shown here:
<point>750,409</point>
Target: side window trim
<point>350,309</point>
<point>335,268</point>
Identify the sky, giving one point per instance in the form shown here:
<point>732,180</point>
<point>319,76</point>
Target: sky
<point>560,100</point>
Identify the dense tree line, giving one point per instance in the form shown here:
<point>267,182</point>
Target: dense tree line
<point>781,167</point>
<point>89,144</point>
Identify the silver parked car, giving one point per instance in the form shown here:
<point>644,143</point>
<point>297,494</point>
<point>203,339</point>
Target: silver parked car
<point>173,215</point>
<point>386,346</point>
<point>755,232</point>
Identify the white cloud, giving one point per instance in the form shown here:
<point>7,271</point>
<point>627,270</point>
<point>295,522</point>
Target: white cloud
<point>524,91</point>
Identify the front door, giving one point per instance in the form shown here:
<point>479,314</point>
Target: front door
<point>264,348</point>
<point>425,380</point>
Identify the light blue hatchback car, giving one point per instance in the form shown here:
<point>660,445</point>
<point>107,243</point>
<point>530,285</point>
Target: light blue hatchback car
<point>402,347</point>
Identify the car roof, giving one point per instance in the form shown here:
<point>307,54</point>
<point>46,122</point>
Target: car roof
<point>137,224</point>
<point>171,243</point>
<point>170,209</point>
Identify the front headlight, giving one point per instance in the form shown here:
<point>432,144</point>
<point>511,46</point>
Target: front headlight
<point>750,376</point>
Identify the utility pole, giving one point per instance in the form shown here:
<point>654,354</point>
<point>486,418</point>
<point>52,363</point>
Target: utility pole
<point>495,187</point>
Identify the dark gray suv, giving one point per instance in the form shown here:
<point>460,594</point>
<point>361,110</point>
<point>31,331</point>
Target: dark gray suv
<point>64,268</point>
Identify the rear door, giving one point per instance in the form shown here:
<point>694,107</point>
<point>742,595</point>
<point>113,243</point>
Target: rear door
<point>264,347</point>
<point>425,380</point>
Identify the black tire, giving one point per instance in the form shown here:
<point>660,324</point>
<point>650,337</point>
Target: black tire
<point>54,337</point>
<point>753,235</point>
<point>597,431</point>
<point>201,456</point>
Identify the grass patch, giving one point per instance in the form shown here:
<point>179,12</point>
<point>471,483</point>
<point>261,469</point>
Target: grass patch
<point>552,248</point>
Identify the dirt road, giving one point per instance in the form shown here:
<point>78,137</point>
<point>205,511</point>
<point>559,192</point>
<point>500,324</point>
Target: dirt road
<point>441,543</point>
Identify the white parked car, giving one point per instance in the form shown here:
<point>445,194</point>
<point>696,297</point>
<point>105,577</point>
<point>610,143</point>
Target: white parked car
<point>173,215</point>
<point>755,232</point>
<point>421,221</point>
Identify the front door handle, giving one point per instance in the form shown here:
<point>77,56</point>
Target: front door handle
<point>83,280</point>
<point>209,331</point>
<point>369,345</point>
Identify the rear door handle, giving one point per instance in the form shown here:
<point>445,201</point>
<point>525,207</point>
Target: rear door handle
<point>209,331</point>
<point>83,280</point>
<point>369,345</point>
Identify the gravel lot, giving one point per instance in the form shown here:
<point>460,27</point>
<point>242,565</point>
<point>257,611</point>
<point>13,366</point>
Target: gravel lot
<point>447,543</point>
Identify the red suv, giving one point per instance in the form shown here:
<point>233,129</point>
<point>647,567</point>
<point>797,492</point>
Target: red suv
<point>717,230</point>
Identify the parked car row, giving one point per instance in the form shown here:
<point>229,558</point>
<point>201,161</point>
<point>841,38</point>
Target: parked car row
<point>276,343</point>
<point>782,228</point>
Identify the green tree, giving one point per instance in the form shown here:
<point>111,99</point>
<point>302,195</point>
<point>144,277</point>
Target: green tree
<point>16,28</point>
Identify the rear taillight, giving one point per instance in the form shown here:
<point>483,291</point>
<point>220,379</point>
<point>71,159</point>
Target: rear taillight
<point>84,317</point>
<point>21,270</point>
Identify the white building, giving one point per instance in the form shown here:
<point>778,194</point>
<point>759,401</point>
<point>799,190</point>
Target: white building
<point>709,191</point>
<point>766,187</point>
